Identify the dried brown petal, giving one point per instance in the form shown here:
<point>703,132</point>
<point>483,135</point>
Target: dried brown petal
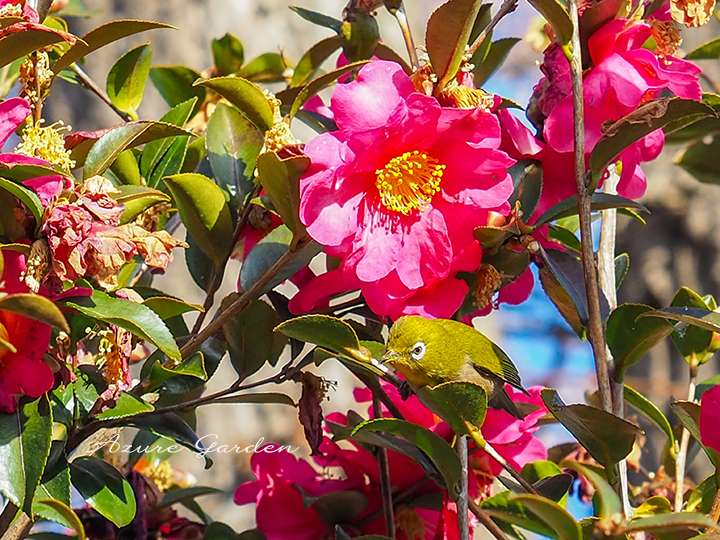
<point>692,13</point>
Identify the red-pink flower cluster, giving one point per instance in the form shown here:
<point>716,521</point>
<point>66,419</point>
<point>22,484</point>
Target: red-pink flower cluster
<point>286,488</point>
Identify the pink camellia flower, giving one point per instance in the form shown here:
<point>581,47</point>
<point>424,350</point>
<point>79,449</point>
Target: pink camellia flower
<point>23,372</point>
<point>397,191</point>
<point>623,76</point>
<point>710,417</point>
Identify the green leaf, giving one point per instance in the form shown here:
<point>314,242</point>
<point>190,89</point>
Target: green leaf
<point>319,84</point>
<point>137,199</point>
<point>176,85</point>
<point>447,34</point>
<point>608,505</point>
<point>171,426</point>
<point>25,196</point>
<point>127,78</point>
<point>101,36</point>
<point>35,307</point>
<point>102,486</point>
<point>327,332</point>
<point>19,172</point>
<point>62,511</point>
<point>651,411</point>
<point>554,515</point>
<point>204,212</point>
<point>268,67</point>
<point>168,307</point>
<point>193,366</point>
<point>502,507</point>
<point>630,338</point>
<point>250,337</point>
<point>561,300</point>
<point>440,452</point>
<point>133,317</point>
<point>665,523</point>
<point>107,148</point>
<point>494,58</point>
<point>259,397</point>
<point>706,51</point>
<point>653,506</point>
<point>228,54</point>
<point>233,144</point>
<point>267,252</point>
<point>594,16</point>
<point>692,342</point>
<point>126,405</point>
<point>177,495</point>
<point>18,44</point>
<point>314,57</point>
<point>246,96</point>
<point>698,159</point>
<point>688,412</point>
<point>555,13</point>
<point>126,169</point>
<point>608,438</point>
<point>54,485</point>
<point>697,317</point>
<point>642,121</point>
<point>599,201</point>
<point>462,404</point>
<point>25,437</point>
<point>622,267</point>
<point>318,18</point>
<point>281,180</point>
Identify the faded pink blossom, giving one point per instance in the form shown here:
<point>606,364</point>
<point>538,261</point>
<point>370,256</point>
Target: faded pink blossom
<point>402,236</point>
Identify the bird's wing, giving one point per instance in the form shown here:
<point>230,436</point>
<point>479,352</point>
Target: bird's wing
<point>509,372</point>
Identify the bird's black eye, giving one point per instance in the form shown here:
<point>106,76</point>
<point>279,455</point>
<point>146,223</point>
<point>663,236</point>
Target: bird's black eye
<point>418,350</point>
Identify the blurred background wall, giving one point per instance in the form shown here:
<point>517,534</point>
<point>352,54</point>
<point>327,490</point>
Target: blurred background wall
<point>679,245</point>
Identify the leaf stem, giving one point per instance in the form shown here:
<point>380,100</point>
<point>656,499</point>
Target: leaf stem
<point>507,7</point>
<point>385,484</point>
<point>592,290</point>
<point>487,521</point>
<point>715,510</point>
<point>7,516</point>
<point>462,504</point>
<point>681,458</point>
<point>88,83</point>
<point>402,20</point>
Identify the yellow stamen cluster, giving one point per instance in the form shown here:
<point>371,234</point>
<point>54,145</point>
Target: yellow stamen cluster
<point>487,282</point>
<point>11,10</point>
<point>464,97</point>
<point>113,354</point>
<point>409,182</point>
<point>667,37</point>
<point>279,135</point>
<point>162,475</point>
<point>36,77</point>
<point>47,143</point>
<point>410,523</point>
<point>692,13</point>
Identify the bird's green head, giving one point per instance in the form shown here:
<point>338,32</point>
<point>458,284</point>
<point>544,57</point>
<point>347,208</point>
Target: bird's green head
<point>414,348</point>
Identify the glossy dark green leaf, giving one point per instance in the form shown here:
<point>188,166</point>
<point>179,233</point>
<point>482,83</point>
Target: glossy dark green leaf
<point>19,172</point>
<point>324,331</point>
<point>648,409</point>
<point>622,267</point>
<point>104,489</point>
<point>233,144</point>
<point>319,84</point>
<point>176,85</point>
<point>228,54</point>
<point>246,96</point>
<point>54,486</point>
<point>554,515</point>
<point>561,300</point>
<point>447,34</point>
<point>107,148</point>
<point>127,78</point>
<point>608,505</point>
<point>644,120</point>
<point>630,338</point>
<point>137,199</point>
<point>160,372</point>
<point>698,159</point>
<point>318,18</point>
<point>126,405</point>
<point>63,514</point>
<point>706,51</point>
<point>264,398</point>
<point>281,180</point>
<point>501,507</point>
<point>496,55</point>
<point>168,307</point>
<point>126,169</point>
<point>204,211</point>
<point>440,452</point>
<point>555,13</point>
<point>35,307</point>
<point>176,495</point>
<point>104,35</point>
<point>314,57</point>
<point>25,437</point>
<point>25,196</point>
<point>676,522</point>
<point>267,68</point>
<point>688,412</point>
<point>267,252</point>
<point>17,44</point>
<point>250,337</point>
<point>173,427</point>
<point>136,318</point>
<point>608,438</point>
<point>462,404</point>
<point>599,201</point>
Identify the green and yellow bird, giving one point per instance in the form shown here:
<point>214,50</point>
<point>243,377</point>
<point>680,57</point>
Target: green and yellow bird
<point>428,352</point>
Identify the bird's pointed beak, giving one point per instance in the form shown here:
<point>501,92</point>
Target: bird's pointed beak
<point>390,357</point>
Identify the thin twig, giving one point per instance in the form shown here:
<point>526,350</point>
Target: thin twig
<point>385,484</point>
<point>507,7</point>
<point>402,20</point>
<point>715,510</point>
<point>242,302</point>
<point>681,458</point>
<point>88,83</point>
<point>592,289</point>
<point>461,446</point>
<point>7,516</point>
<point>487,521</point>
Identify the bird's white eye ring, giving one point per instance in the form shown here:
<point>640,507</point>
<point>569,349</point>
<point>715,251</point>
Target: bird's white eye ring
<point>418,351</point>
